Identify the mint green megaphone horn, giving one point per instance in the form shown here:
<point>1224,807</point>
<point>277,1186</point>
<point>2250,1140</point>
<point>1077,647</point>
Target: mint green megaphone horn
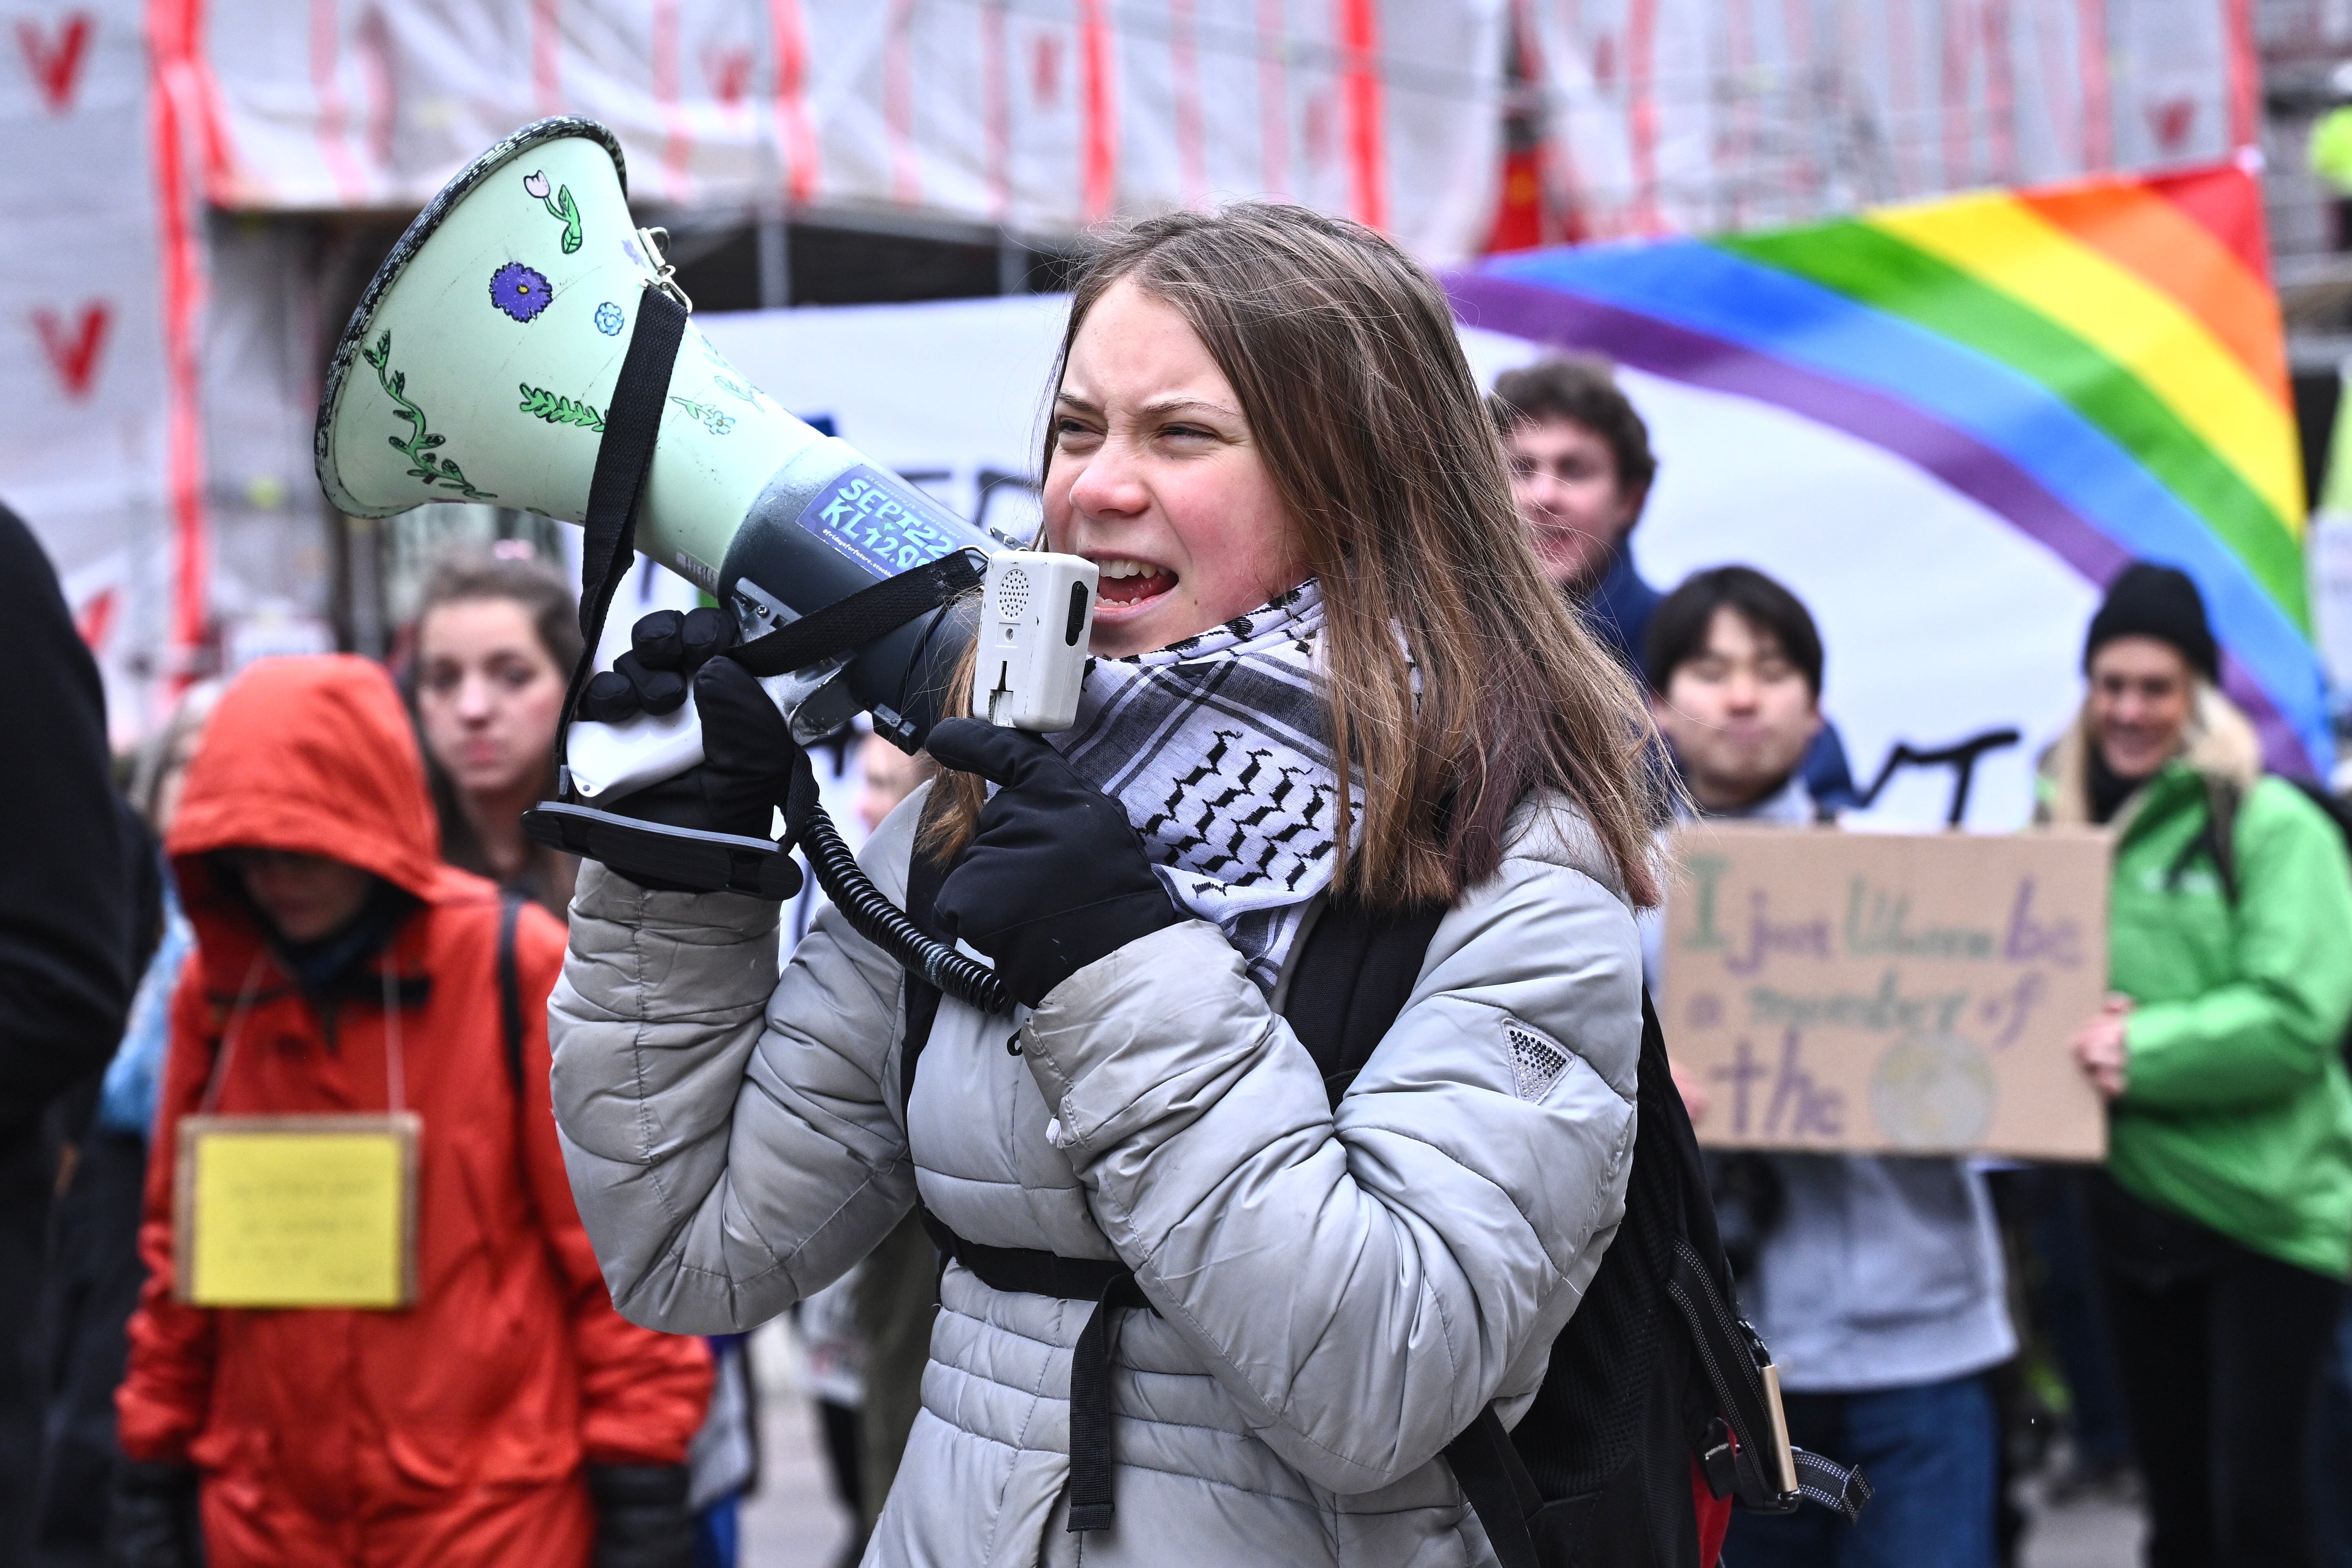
<point>481,365</point>
<point>525,346</point>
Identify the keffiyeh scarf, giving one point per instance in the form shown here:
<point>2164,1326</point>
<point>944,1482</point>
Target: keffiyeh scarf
<point>1216,746</point>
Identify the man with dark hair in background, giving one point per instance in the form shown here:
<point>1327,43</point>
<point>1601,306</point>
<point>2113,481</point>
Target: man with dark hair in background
<point>1581,469</point>
<point>1877,1281</point>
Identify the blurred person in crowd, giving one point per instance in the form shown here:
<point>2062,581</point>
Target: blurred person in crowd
<point>1581,469</point>
<point>94,1272</point>
<point>496,639</point>
<point>508,1416</point>
<point>2223,1223</point>
<point>67,953</point>
<point>1877,1281</point>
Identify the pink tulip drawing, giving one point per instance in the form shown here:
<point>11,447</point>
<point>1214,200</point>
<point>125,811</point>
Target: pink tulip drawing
<point>560,206</point>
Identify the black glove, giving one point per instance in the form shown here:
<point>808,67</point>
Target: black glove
<point>151,1517</point>
<point>642,1519</point>
<point>750,764</point>
<point>1056,877</point>
<point>665,650</point>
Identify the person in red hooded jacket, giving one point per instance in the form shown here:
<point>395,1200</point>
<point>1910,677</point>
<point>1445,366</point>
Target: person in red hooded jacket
<point>509,1415</point>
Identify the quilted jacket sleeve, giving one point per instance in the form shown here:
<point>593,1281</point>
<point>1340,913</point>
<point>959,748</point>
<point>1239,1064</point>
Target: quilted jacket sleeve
<point>1363,1283</point>
<point>734,1139</point>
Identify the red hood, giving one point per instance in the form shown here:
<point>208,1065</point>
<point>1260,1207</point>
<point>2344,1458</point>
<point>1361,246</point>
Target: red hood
<point>314,754</point>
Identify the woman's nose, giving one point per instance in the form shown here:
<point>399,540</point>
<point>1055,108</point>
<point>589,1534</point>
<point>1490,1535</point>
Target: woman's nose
<point>1108,485</point>
<point>475,698</point>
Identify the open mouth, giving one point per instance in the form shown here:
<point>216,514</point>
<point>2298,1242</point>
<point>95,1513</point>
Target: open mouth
<point>1131,583</point>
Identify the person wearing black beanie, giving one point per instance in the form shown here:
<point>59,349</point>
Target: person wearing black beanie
<point>2222,1223</point>
<point>2161,602</point>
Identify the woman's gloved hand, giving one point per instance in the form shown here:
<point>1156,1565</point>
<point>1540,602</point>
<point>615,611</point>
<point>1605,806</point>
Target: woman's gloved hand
<point>1055,877</point>
<point>665,650</point>
<point>642,1519</point>
<point>750,764</point>
<point>151,1517</point>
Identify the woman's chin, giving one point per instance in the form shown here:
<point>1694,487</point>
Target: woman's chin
<point>493,780</point>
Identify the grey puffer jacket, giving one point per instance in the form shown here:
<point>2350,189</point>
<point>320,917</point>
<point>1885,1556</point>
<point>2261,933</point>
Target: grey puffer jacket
<point>1337,1296</point>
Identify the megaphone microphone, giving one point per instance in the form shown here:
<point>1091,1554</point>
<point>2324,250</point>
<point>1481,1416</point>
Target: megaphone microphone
<point>527,344</point>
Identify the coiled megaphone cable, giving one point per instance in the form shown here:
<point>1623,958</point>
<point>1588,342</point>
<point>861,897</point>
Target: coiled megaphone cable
<point>872,915</point>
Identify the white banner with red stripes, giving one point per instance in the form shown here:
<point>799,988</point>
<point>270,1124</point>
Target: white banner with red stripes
<point>1709,116</point>
<point>99,451</point>
<point>1042,115</point>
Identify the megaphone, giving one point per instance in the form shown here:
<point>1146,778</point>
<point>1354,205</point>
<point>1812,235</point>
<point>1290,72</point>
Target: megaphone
<point>525,344</point>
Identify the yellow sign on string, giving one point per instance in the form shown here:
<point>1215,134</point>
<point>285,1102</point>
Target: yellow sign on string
<point>296,1211</point>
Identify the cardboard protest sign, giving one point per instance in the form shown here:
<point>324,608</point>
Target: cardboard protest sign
<point>1886,994</point>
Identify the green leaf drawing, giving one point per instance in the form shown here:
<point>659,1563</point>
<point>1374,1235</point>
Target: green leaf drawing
<point>418,448</point>
<point>542,404</point>
<point>737,388</point>
<point>718,421</point>
<point>565,211</point>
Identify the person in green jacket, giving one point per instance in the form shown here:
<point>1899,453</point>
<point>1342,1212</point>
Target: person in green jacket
<point>2223,1222</point>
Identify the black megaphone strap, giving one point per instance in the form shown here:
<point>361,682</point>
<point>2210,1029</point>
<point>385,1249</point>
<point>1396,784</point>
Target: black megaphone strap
<point>624,458</point>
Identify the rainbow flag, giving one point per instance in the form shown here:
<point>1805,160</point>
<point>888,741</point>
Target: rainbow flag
<point>2100,365</point>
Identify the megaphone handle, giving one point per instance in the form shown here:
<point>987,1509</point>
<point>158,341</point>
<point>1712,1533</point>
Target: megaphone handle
<point>624,458</point>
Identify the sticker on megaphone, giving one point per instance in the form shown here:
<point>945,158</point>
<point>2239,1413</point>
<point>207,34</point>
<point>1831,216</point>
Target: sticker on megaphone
<point>1037,612</point>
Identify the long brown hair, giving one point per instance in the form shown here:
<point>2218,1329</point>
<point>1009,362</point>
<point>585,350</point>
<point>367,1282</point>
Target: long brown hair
<point>1343,354</point>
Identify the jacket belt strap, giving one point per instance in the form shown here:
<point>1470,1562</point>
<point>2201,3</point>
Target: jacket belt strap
<point>1109,1286</point>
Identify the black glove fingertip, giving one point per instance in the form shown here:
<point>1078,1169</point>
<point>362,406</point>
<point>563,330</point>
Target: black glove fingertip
<point>705,632</point>
<point>658,690</point>
<point>662,690</point>
<point>992,751</point>
<point>657,639</point>
<point>609,698</point>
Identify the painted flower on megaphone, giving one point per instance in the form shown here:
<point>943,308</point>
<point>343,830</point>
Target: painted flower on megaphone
<point>520,291</point>
<point>536,183</point>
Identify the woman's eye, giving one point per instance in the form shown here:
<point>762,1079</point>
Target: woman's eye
<point>1068,430</point>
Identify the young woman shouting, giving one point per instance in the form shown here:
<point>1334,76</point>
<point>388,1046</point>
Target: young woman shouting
<point>1329,672</point>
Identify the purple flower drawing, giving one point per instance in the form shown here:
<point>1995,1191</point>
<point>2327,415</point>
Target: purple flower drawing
<point>535,185</point>
<point>520,291</point>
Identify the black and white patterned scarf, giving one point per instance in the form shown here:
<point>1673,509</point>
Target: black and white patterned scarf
<point>1217,747</point>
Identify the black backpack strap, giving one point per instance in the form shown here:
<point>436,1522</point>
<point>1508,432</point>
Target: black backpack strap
<point>2216,838</point>
<point>1109,1285</point>
<point>1494,1480</point>
<point>511,986</point>
<point>1351,980</point>
<point>925,877</point>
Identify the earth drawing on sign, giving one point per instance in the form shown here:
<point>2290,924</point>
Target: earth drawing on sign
<point>1932,1091</point>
